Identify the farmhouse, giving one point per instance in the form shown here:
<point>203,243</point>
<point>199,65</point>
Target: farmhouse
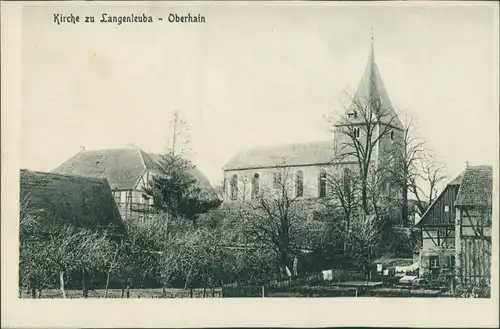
<point>128,171</point>
<point>437,231</point>
<point>69,200</point>
<point>473,227</point>
<point>456,229</point>
<point>248,173</point>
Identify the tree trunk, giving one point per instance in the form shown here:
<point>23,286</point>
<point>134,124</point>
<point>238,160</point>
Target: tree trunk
<point>40,293</point>
<point>123,292</point>
<point>213,292</point>
<point>107,283</point>
<point>204,290</point>
<point>33,292</point>
<point>128,291</point>
<point>61,283</point>
<point>85,289</point>
<point>191,292</point>
<point>163,291</point>
<point>364,197</point>
<point>404,208</point>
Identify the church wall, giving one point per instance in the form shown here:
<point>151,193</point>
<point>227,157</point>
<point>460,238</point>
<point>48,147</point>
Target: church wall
<point>311,174</point>
<point>310,178</point>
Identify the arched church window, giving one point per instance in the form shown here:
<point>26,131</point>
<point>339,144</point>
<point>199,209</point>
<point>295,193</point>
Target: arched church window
<point>255,186</point>
<point>276,180</point>
<point>322,183</point>
<point>234,187</point>
<point>299,183</point>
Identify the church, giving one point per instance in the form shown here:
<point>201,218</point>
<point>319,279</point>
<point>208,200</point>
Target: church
<point>307,165</point>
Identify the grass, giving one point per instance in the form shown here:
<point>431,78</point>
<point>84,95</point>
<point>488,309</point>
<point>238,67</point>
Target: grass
<point>134,293</point>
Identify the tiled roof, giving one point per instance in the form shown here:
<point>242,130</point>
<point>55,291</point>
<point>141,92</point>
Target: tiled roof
<point>371,90</point>
<point>457,180</point>
<point>290,155</point>
<point>121,167</point>
<point>476,187</point>
<point>71,200</point>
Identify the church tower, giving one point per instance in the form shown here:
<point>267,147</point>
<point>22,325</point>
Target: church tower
<point>370,116</point>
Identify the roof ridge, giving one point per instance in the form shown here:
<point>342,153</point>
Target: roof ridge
<point>74,176</point>
<point>141,155</point>
<point>275,146</point>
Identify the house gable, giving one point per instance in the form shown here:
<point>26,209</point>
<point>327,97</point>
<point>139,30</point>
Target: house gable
<point>442,211</point>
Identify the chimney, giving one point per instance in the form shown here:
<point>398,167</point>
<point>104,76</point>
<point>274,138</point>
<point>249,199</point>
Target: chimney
<point>82,148</point>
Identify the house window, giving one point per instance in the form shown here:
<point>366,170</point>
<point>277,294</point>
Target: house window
<point>299,184</point>
<point>322,184</point>
<point>276,180</point>
<point>116,195</point>
<point>446,208</point>
<point>234,187</point>
<point>434,261</point>
<point>255,186</point>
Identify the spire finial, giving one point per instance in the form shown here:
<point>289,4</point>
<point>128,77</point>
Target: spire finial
<point>372,53</point>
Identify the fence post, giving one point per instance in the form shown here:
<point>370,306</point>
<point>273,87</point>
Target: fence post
<point>263,292</point>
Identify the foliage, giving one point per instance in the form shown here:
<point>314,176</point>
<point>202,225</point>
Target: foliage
<point>175,191</point>
<point>47,250</point>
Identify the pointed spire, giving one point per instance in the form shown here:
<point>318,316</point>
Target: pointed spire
<point>371,90</point>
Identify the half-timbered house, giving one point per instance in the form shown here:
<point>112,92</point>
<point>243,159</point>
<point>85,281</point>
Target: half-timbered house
<point>473,227</point>
<point>437,232</point>
<point>128,171</point>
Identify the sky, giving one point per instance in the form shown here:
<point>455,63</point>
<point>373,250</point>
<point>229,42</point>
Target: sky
<point>253,75</point>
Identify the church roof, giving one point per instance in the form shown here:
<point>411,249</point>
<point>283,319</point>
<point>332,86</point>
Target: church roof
<point>291,155</point>
<point>371,92</point>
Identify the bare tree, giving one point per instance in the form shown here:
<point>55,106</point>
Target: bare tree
<point>179,142</point>
<point>402,168</point>
<point>424,184</point>
<point>344,194</point>
<point>358,135</point>
<point>275,217</point>
<point>364,240</point>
